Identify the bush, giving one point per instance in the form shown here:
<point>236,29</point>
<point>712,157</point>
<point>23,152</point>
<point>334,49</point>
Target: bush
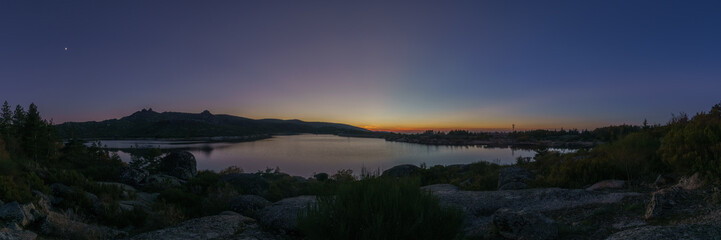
<point>695,145</point>
<point>380,208</point>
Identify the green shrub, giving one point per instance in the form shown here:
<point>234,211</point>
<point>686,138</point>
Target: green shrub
<point>475,176</point>
<point>380,208</point>
<point>19,188</point>
<point>695,145</point>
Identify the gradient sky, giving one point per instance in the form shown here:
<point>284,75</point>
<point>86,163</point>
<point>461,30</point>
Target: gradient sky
<point>377,64</point>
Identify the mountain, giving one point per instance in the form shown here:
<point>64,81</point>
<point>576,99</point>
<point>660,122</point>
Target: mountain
<point>151,124</point>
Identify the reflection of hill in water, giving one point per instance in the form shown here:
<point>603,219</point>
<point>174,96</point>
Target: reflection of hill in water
<point>307,154</point>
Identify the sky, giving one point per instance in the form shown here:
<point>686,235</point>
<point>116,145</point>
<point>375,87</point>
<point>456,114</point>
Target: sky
<point>383,65</point>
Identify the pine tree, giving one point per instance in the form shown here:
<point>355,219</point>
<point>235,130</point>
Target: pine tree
<point>6,118</point>
<point>32,131</point>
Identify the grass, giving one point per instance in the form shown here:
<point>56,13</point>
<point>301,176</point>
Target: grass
<point>380,208</point>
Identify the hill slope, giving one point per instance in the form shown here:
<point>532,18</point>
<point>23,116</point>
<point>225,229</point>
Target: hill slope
<point>151,124</point>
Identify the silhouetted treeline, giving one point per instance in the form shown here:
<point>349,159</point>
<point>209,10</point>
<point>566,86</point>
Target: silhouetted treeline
<point>26,134</point>
<point>684,146</point>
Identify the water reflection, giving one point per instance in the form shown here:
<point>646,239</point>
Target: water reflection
<point>305,155</point>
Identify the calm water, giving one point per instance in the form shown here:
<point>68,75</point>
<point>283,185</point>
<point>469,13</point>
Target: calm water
<point>304,155</point>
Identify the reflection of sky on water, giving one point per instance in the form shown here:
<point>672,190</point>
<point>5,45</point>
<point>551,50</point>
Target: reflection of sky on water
<point>307,154</point>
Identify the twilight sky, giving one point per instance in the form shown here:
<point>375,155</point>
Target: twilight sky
<point>377,64</point>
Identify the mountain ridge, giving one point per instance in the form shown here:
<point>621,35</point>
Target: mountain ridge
<point>147,123</point>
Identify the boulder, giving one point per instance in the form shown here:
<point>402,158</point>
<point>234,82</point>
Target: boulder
<point>508,178</point>
<point>248,204</point>
<point>524,225</point>
<point>692,182</point>
<point>44,201</point>
<point>61,226</point>
<point>248,183</point>
<point>664,201</point>
<point>607,184</point>
<point>227,225</point>
<point>60,192</point>
<point>682,231</point>
<point>162,181</point>
<point>179,164</point>
<point>674,199</point>
<point>12,234</point>
<point>142,200</point>
<point>128,190</point>
<point>478,206</point>
<point>23,215</point>
<point>513,186</point>
<point>664,180</point>
<point>132,176</point>
<point>282,216</point>
<point>404,170</point>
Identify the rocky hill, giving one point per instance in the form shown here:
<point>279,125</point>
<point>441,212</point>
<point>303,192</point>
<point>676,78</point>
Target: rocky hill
<point>151,124</point>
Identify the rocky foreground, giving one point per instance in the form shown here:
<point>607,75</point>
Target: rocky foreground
<point>606,210</point>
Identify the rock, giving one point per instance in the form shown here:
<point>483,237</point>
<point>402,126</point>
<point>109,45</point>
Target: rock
<point>10,234</point>
<point>664,200</point>
<point>401,171</point>
<point>132,176</point>
<point>222,226</point>
<point>690,183</point>
<point>513,186</point>
<point>162,181</point>
<point>671,200</point>
<point>98,207</point>
<point>127,189</point>
<point>179,164</point>
<point>44,201</point>
<point>441,188</point>
<point>510,175</point>
<point>60,191</point>
<point>479,206</point>
<point>123,186</point>
<point>61,226</point>
<point>683,231</point>
<point>524,225</point>
<point>628,224</point>
<point>607,184</point>
<point>248,204</point>
<point>248,183</point>
<point>142,200</point>
<point>283,215</point>
<point>664,180</point>
<point>23,215</point>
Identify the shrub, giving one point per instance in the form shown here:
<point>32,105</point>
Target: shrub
<point>475,176</point>
<point>695,145</point>
<point>380,208</point>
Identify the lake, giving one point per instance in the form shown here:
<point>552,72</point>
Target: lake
<point>306,154</point>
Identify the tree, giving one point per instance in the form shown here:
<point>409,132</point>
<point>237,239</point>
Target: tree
<point>32,132</point>
<point>6,118</point>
